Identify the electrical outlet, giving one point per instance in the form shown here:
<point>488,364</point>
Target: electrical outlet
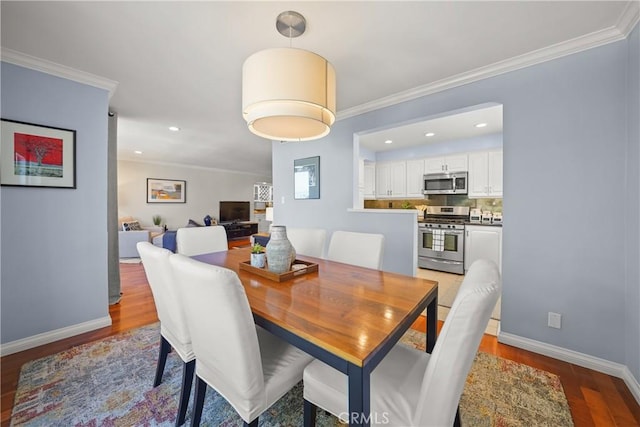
<point>555,320</point>
<point>282,200</point>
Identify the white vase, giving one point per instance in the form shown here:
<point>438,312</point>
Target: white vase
<point>258,260</point>
<point>280,252</point>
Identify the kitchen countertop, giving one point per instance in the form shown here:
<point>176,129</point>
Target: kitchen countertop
<point>422,221</point>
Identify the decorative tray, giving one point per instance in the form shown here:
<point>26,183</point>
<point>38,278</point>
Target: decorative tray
<point>299,268</point>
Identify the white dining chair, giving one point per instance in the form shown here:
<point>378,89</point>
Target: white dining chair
<point>361,249</point>
<point>410,387</point>
<point>192,241</point>
<point>173,326</point>
<point>248,366</point>
<point>307,241</point>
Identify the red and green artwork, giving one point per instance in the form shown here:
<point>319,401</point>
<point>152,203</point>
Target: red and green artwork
<point>37,155</point>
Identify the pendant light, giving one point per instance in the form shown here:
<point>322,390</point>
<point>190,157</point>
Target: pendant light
<point>288,94</point>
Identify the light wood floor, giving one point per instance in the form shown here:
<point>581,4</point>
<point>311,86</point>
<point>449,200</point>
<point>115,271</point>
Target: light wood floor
<point>595,399</point>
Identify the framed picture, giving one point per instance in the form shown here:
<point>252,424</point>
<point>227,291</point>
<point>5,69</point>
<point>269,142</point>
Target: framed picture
<point>166,191</point>
<point>306,175</point>
<point>36,155</point>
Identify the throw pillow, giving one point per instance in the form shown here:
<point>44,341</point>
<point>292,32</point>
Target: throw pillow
<point>131,226</point>
<point>193,223</point>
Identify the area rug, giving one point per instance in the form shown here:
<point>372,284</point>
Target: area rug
<point>109,383</point>
<point>448,287</point>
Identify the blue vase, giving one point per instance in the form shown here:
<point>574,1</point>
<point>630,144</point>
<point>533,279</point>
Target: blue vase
<point>280,252</point>
<point>207,220</point>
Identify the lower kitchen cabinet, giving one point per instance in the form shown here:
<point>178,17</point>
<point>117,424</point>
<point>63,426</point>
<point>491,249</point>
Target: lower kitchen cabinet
<point>263,224</point>
<point>482,241</point>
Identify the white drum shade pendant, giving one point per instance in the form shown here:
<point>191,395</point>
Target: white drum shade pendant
<point>288,94</point>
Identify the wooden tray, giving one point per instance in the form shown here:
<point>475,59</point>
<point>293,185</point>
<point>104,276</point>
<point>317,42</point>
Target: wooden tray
<point>280,277</point>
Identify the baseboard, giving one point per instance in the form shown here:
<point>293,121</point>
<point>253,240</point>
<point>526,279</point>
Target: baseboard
<point>55,335</point>
<point>632,383</point>
<point>570,356</point>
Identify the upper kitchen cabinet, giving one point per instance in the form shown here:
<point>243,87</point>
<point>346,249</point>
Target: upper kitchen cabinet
<point>415,172</point>
<point>457,163</point>
<point>391,180</point>
<point>369,180</point>
<point>485,174</point>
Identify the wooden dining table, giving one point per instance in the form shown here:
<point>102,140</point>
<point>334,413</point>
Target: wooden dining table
<point>347,316</point>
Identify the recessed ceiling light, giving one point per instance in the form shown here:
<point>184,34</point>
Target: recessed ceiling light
<point>174,128</point>
<point>429,134</point>
<point>138,152</point>
<point>481,125</point>
<point>388,141</point>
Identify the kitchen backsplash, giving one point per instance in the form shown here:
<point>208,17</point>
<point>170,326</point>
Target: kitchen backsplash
<point>493,205</point>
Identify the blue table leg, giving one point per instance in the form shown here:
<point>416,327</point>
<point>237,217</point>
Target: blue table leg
<point>359,396</point>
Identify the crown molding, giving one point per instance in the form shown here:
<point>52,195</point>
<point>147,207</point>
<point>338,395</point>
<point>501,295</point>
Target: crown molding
<point>204,168</point>
<point>23,60</point>
<point>625,25</point>
<point>629,18</point>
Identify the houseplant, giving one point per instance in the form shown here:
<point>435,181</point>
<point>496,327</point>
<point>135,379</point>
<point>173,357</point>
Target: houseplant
<point>157,220</point>
<point>258,257</point>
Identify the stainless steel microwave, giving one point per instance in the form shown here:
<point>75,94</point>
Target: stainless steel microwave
<point>445,183</point>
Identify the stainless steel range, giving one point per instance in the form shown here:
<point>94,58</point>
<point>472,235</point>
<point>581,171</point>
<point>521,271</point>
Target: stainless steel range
<point>441,238</point>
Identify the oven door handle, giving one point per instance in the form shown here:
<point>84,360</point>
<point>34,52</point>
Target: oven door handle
<point>444,261</point>
<point>446,230</point>
<point>449,231</point>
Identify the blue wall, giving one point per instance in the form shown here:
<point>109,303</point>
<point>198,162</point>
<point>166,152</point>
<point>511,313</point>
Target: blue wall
<point>53,247</point>
<point>565,143</point>
<point>632,233</point>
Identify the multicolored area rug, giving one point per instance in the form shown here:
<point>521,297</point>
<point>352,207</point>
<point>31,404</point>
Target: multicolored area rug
<point>109,383</point>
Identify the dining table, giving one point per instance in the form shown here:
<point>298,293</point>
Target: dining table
<point>347,316</point>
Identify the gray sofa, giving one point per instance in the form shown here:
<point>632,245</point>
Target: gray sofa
<point>127,240</point>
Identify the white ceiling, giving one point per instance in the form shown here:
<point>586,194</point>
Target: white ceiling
<point>180,63</point>
<point>450,127</point>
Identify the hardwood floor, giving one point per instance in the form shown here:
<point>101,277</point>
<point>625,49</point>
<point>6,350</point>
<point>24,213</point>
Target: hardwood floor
<point>595,399</point>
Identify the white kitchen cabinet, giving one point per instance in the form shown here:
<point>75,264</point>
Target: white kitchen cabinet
<point>485,174</point>
<point>482,241</point>
<point>457,163</point>
<point>369,180</point>
<point>263,224</point>
<point>391,180</point>
<point>415,172</point>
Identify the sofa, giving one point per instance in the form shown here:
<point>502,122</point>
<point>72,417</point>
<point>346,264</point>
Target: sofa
<point>130,233</point>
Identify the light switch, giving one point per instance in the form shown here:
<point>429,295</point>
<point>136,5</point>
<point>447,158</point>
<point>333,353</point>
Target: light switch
<point>555,320</point>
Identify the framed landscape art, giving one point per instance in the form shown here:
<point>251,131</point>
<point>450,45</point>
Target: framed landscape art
<point>37,156</point>
<point>166,191</point>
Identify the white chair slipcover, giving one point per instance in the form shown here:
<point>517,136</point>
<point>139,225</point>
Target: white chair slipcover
<point>308,241</point>
<point>410,387</point>
<point>173,326</point>
<point>361,249</point>
<point>192,241</point>
<point>248,366</point>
